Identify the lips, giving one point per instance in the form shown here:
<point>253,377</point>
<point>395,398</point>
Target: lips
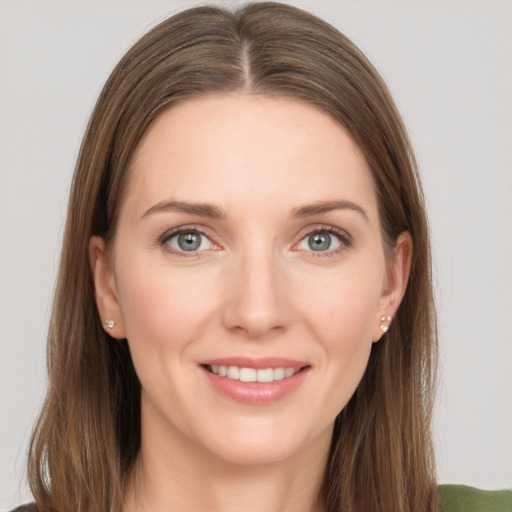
<point>245,374</point>
<point>255,381</point>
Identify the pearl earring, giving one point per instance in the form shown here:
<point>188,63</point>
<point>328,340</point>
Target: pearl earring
<point>385,320</point>
<point>110,323</point>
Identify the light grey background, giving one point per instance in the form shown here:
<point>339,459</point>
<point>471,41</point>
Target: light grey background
<point>449,66</point>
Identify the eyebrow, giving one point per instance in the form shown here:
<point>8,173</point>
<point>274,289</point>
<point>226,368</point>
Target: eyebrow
<point>201,209</point>
<point>310,210</point>
<point>214,212</point>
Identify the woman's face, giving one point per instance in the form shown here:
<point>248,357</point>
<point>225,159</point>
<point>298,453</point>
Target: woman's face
<point>248,275</point>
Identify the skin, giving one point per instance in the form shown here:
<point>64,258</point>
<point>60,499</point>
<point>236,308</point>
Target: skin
<point>256,288</point>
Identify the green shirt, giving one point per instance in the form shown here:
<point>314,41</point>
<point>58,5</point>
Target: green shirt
<point>452,498</point>
<point>461,498</point>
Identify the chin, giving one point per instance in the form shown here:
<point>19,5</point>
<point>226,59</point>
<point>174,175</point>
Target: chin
<point>254,454</point>
<point>257,443</point>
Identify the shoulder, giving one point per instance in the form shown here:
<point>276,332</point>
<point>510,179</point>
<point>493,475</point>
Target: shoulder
<point>26,508</point>
<point>461,498</point>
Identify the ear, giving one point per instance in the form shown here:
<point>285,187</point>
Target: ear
<point>395,285</point>
<point>106,295</point>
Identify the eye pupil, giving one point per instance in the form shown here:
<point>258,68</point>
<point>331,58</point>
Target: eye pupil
<point>319,241</point>
<point>189,241</point>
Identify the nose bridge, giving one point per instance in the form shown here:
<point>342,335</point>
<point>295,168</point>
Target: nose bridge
<point>258,302</point>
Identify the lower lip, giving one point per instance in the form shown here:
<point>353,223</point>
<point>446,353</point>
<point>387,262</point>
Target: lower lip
<point>256,393</point>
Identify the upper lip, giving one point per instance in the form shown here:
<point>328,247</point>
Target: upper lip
<point>256,363</point>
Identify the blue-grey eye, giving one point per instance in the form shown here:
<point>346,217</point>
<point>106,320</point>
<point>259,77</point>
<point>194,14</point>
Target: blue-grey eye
<point>320,241</point>
<point>190,241</point>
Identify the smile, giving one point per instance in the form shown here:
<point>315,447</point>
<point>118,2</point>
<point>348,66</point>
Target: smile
<point>255,381</point>
<point>245,374</point>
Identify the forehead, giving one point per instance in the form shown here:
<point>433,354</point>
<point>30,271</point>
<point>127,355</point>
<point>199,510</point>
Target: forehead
<point>254,149</point>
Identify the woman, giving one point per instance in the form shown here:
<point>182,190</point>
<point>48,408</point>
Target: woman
<point>247,259</point>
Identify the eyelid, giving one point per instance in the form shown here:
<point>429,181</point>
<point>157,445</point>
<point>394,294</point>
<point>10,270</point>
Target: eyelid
<point>187,228</point>
<point>343,236</point>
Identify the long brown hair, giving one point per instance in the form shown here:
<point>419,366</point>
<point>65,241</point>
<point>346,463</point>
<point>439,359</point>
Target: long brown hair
<point>88,434</point>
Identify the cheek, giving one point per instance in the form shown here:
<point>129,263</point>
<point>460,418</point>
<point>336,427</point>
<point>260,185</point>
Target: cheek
<point>341,315</point>
<point>344,307</point>
<point>164,309</point>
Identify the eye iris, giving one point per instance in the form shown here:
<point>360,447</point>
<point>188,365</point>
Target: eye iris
<point>319,241</point>
<point>189,241</point>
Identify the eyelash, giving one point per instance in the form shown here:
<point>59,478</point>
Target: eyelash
<point>344,238</point>
<point>168,235</point>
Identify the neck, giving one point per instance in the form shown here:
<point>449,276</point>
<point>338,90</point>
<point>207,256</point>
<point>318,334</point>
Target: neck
<point>179,476</point>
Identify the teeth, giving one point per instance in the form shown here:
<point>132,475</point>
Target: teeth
<point>266,375</point>
<point>233,372</point>
<point>288,372</point>
<point>248,375</point>
<point>279,373</point>
<point>252,374</point>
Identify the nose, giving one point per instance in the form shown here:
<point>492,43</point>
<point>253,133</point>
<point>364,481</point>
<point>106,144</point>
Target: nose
<point>257,301</point>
